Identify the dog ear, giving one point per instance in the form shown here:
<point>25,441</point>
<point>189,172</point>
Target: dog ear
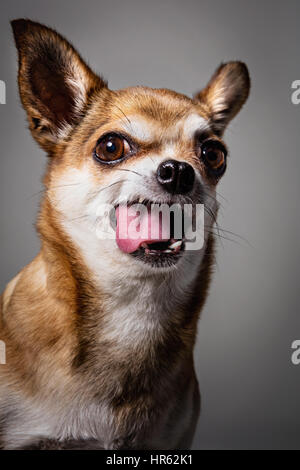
<point>225,93</point>
<point>55,83</point>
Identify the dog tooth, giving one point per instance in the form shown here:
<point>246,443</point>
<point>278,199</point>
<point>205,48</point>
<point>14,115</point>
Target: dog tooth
<point>167,251</point>
<point>176,244</point>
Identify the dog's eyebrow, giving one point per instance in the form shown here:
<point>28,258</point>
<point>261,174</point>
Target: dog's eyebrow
<point>194,123</point>
<point>147,131</point>
<point>139,128</point>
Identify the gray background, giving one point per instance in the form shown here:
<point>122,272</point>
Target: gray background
<point>250,388</point>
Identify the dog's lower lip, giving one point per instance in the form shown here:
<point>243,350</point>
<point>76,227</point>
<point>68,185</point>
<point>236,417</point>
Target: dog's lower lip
<point>172,246</point>
<point>160,258</point>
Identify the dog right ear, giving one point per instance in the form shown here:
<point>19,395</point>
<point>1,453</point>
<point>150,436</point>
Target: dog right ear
<point>55,83</point>
<point>225,94</point>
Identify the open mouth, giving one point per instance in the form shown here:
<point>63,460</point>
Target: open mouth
<point>160,254</point>
<point>156,241</point>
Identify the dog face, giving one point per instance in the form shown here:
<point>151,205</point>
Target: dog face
<point>114,148</point>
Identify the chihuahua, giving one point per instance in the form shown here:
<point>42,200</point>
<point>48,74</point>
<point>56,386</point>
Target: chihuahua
<point>99,332</point>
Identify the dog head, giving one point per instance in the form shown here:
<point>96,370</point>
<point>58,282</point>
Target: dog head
<point>118,148</point>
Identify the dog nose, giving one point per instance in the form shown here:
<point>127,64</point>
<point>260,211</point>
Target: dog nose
<point>176,177</point>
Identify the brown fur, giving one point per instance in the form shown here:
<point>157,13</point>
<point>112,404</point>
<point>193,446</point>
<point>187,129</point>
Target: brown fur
<point>52,314</point>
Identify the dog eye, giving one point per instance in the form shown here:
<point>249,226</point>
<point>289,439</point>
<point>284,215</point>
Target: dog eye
<point>111,147</point>
<point>214,154</point>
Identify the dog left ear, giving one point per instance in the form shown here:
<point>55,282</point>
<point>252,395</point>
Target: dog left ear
<point>55,83</point>
<point>225,94</point>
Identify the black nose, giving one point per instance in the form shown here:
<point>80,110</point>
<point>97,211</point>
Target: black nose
<point>176,177</point>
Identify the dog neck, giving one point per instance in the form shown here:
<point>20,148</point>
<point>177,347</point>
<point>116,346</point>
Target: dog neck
<point>126,312</point>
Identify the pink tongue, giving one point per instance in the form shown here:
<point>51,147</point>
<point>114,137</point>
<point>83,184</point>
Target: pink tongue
<point>133,229</point>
